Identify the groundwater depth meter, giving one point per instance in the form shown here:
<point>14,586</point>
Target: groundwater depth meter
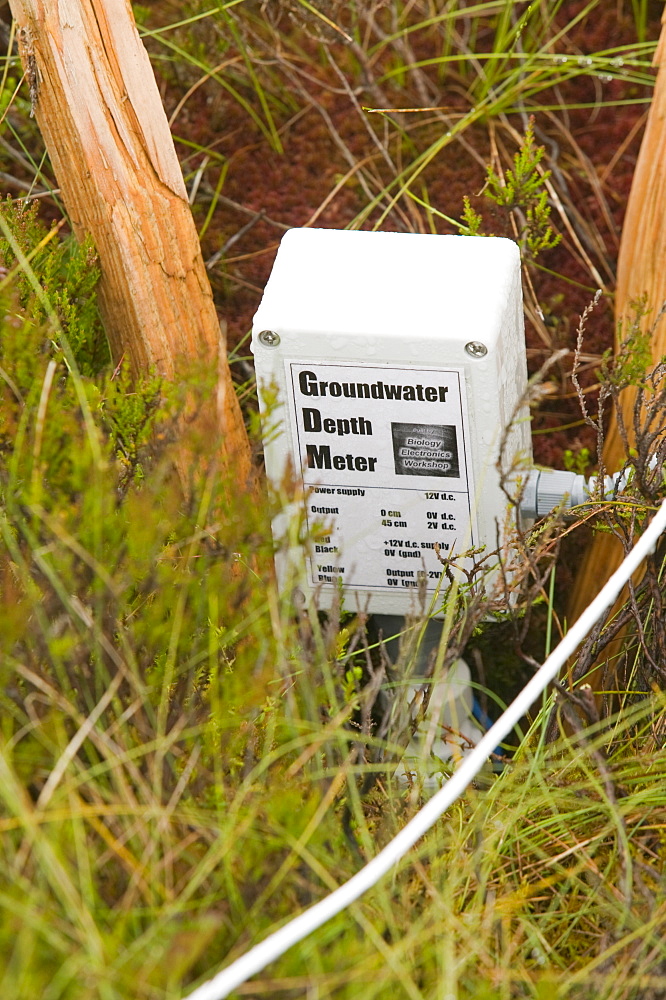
<point>394,361</point>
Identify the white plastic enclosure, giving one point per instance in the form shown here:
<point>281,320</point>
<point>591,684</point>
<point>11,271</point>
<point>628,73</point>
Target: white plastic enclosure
<point>398,360</point>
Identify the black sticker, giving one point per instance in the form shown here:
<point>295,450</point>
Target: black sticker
<point>425,450</point>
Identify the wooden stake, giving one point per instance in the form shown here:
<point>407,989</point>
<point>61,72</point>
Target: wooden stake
<point>97,104</point>
<point>641,271</point>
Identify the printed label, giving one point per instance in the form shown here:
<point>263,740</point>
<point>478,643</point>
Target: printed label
<point>425,450</point>
<point>383,451</point>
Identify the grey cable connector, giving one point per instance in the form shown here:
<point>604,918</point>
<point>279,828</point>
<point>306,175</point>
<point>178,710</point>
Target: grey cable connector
<point>546,489</point>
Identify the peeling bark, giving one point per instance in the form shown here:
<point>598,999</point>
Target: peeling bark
<point>99,110</point>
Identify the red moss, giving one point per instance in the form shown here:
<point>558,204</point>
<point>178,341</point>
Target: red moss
<point>289,187</point>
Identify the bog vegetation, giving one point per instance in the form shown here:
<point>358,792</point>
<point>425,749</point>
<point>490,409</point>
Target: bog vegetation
<point>186,759</point>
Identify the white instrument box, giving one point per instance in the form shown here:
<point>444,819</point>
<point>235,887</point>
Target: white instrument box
<point>397,360</point>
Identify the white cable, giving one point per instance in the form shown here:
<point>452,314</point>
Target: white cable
<point>276,944</point>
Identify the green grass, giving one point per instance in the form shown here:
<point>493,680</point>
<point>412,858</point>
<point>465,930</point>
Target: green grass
<point>184,759</point>
<point>467,76</point>
<point>178,774</point>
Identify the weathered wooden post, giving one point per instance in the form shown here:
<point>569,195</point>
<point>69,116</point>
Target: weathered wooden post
<point>98,107</point>
<point>641,271</point>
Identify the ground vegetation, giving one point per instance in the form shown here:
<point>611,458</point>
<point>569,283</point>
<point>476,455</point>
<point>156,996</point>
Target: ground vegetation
<point>186,759</point>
